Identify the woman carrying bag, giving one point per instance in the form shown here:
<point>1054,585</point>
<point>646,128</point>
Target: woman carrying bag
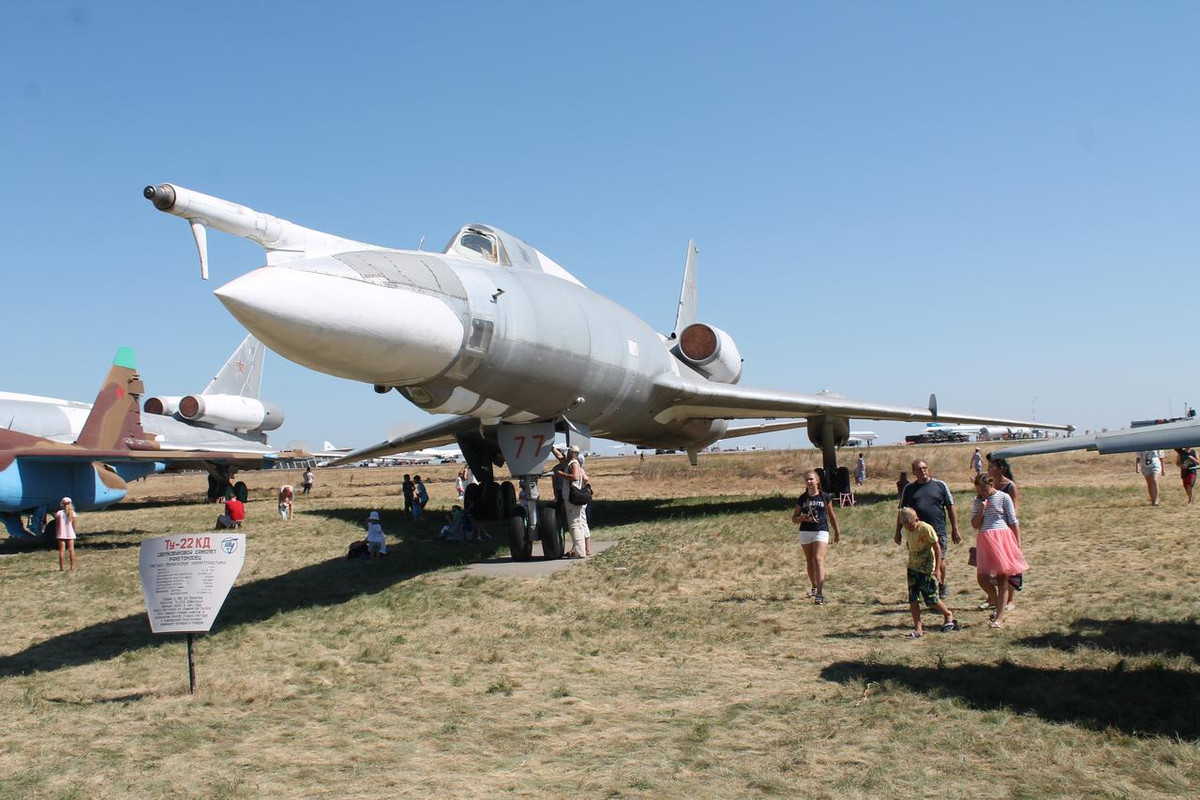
<point>581,537</point>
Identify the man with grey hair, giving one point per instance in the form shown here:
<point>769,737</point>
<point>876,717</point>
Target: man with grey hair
<point>932,501</point>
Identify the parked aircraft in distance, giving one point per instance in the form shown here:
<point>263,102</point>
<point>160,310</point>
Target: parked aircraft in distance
<point>514,347</point>
<point>112,448</point>
<point>861,438</point>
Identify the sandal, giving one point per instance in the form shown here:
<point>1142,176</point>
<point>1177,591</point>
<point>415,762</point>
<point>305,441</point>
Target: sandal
<point>952,625</point>
<point>915,634</point>
<point>995,625</point>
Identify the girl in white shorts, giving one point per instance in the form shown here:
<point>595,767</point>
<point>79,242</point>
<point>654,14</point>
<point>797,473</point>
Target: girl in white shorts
<point>814,512</point>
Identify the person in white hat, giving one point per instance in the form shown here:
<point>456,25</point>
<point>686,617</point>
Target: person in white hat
<point>64,519</point>
<point>376,542</point>
<point>581,537</point>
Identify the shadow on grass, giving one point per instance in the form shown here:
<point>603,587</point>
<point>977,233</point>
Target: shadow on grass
<point>1144,702</point>
<point>875,498</point>
<point>630,512</point>
<point>323,584</point>
<point>1128,637</point>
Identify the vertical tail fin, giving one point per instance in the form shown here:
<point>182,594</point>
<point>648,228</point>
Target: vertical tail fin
<point>115,415</point>
<point>686,314</point>
<point>242,373</point>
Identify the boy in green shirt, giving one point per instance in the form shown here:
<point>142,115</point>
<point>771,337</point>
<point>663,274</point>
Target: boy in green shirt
<point>924,554</point>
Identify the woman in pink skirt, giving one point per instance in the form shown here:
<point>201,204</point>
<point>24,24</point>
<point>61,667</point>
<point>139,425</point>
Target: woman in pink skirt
<point>998,545</point>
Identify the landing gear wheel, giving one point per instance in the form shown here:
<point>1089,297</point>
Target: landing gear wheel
<point>508,499</point>
<point>50,533</point>
<point>471,497</point>
<point>491,504</point>
<point>519,541</point>
<point>552,539</point>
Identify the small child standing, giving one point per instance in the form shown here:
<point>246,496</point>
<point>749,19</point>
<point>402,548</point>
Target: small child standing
<point>376,543</point>
<point>924,554</point>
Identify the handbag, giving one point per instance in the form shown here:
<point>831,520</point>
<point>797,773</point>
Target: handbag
<point>972,554</point>
<point>581,496</point>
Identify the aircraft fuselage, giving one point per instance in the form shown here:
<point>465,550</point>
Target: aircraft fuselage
<point>500,344</point>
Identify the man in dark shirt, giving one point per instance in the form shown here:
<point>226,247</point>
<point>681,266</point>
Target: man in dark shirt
<point>932,501</point>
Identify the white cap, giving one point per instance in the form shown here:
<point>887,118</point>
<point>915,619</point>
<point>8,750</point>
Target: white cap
<point>66,500</point>
<point>574,448</point>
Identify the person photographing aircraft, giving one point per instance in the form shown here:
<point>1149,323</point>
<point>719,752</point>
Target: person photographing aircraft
<point>576,477</point>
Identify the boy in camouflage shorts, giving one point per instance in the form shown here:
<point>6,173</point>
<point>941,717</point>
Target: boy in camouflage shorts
<point>924,553</point>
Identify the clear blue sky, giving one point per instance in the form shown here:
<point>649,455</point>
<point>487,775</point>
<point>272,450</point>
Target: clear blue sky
<point>996,202</point>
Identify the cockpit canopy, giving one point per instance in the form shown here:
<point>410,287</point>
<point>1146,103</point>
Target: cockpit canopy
<point>483,243</point>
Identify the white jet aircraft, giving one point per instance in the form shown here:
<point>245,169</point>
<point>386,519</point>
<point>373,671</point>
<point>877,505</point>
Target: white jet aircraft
<point>514,347</point>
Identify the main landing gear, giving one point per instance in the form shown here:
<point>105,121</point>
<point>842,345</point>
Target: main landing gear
<point>528,522</point>
<point>524,448</point>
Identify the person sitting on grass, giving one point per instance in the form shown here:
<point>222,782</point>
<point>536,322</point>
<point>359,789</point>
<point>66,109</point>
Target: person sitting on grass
<point>924,553</point>
<point>456,525</point>
<point>234,516</point>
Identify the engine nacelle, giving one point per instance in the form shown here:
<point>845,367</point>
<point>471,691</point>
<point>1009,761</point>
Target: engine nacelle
<point>710,351</point>
<point>165,406</point>
<point>231,412</point>
<point>840,428</point>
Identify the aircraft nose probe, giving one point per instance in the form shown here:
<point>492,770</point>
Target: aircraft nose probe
<point>163,196</point>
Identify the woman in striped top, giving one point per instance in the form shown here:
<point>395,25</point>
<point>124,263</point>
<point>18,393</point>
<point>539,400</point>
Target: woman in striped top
<point>998,545</point>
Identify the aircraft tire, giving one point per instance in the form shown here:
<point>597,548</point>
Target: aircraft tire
<point>50,533</point>
<point>508,499</point>
<point>471,497</point>
<point>519,542</point>
<point>493,503</point>
<point>552,538</point>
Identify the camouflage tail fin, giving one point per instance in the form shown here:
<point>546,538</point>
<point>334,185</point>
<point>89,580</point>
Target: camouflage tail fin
<point>115,416</point>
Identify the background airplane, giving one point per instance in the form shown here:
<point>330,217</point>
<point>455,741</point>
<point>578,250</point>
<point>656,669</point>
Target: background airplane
<point>861,438</point>
<point>227,416</point>
<point>112,449</point>
<point>511,345</point>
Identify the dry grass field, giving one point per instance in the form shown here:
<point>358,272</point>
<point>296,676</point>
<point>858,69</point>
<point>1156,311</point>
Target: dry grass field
<point>685,662</point>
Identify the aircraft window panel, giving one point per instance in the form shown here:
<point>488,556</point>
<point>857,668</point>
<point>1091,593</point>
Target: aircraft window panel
<point>479,243</point>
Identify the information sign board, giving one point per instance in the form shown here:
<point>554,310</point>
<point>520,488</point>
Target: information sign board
<point>186,578</point>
